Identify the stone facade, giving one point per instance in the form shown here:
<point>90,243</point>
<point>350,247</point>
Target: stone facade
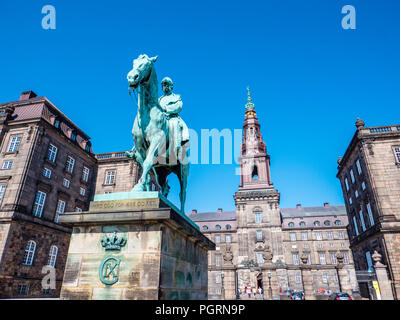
<point>261,245</point>
<point>369,173</point>
<point>40,149</point>
<point>162,256</point>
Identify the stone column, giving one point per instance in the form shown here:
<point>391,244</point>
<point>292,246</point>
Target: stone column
<point>385,287</point>
<point>306,276</point>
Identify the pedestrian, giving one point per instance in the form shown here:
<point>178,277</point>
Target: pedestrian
<point>249,292</point>
<point>260,292</point>
<point>254,292</point>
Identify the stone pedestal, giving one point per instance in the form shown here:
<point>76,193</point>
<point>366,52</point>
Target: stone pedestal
<point>384,282</point>
<point>136,247</point>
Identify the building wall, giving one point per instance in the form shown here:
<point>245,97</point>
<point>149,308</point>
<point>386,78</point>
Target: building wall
<point>33,120</point>
<point>378,186</point>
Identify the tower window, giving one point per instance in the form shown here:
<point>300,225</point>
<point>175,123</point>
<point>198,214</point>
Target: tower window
<point>254,173</point>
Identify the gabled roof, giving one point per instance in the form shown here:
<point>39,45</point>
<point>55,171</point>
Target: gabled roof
<point>213,216</point>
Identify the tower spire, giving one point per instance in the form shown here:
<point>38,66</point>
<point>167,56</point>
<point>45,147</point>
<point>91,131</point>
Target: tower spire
<point>249,104</point>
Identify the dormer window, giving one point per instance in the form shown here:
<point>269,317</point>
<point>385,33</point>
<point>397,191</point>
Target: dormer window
<point>57,123</point>
<point>87,148</point>
<point>73,136</point>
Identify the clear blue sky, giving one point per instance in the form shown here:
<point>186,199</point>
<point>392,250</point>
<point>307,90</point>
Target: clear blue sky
<point>309,78</point>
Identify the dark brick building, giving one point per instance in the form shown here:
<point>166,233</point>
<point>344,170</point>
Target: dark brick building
<point>47,167</point>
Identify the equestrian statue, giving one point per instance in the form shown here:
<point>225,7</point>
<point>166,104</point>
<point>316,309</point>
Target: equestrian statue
<point>161,137</point>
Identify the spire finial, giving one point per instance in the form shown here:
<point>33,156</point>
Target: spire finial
<point>249,104</point>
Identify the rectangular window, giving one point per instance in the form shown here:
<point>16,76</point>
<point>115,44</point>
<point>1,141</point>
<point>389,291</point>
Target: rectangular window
<point>82,191</point>
<point>260,259</point>
<point>363,186</point>
<point>341,234</point>
<point>110,177</point>
<point>330,235</point>
<point>70,164</point>
<point>218,278</point>
<point>60,209</point>
<point>47,173</point>
<point>369,260</point>
<point>66,183</point>
<point>217,239</point>
<point>362,220</point>
<point>397,154</point>
<point>296,260</point>
<point>259,235</point>
<point>347,184</point>
<point>52,153</point>
<point>322,258</point>
<point>320,246</point>
<point>23,289</point>
<point>352,176</point>
<point>333,258</point>
<point>308,258</point>
<point>342,244</point>
<point>356,194</point>
<point>350,200</point>
<point>306,246</point>
<point>318,235</point>
<point>304,236</point>
<point>218,260</point>
<point>345,258</point>
<point>39,204</point>
<point>7,164</point>
<point>85,174</point>
<point>258,217</point>
<point>297,277</point>
<point>325,277</point>
<point>14,144</point>
<point>228,238</point>
<point>358,167</point>
<point>355,226</point>
<point>331,244</point>
<point>292,236</point>
<point>371,217</point>
<point>2,190</point>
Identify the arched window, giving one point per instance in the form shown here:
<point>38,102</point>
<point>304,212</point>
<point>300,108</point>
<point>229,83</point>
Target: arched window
<point>228,227</point>
<point>338,222</point>
<point>205,228</point>
<point>254,174</point>
<point>291,225</point>
<point>52,256</point>
<point>302,224</point>
<point>327,223</point>
<point>29,253</point>
<point>317,223</point>
<point>217,227</point>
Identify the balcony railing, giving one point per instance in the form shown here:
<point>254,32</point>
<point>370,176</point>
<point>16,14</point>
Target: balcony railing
<point>111,155</point>
<point>385,129</point>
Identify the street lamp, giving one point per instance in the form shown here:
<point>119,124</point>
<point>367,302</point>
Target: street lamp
<point>269,285</point>
<point>223,288</point>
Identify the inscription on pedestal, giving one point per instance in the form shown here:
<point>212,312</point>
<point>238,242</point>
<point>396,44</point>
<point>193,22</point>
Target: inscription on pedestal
<point>131,204</point>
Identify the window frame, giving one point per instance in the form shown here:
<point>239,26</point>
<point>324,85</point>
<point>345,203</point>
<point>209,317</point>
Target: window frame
<point>51,153</point>
<point>13,146</point>
<point>39,203</point>
<point>70,164</point>
<point>3,188</point>
<point>85,174</point>
<point>7,164</point>
<point>59,206</point>
<point>52,258</point>
<point>107,177</point>
<point>29,253</point>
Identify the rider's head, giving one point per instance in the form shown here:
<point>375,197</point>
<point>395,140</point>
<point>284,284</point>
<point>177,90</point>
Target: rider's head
<point>167,85</point>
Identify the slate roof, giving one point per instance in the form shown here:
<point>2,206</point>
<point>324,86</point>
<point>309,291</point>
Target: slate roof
<point>313,211</point>
<point>213,216</point>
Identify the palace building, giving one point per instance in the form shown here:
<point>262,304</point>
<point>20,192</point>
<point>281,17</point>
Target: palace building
<point>262,245</point>
<point>47,167</point>
<point>369,173</point>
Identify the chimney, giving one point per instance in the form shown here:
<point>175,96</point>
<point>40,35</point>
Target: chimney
<point>219,210</point>
<point>326,204</point>
<point>298,206</point>
<point>194,211</point>
<point>26,95</point>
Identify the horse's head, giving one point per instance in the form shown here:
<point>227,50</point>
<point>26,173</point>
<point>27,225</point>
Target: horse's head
<point>141,70</point>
